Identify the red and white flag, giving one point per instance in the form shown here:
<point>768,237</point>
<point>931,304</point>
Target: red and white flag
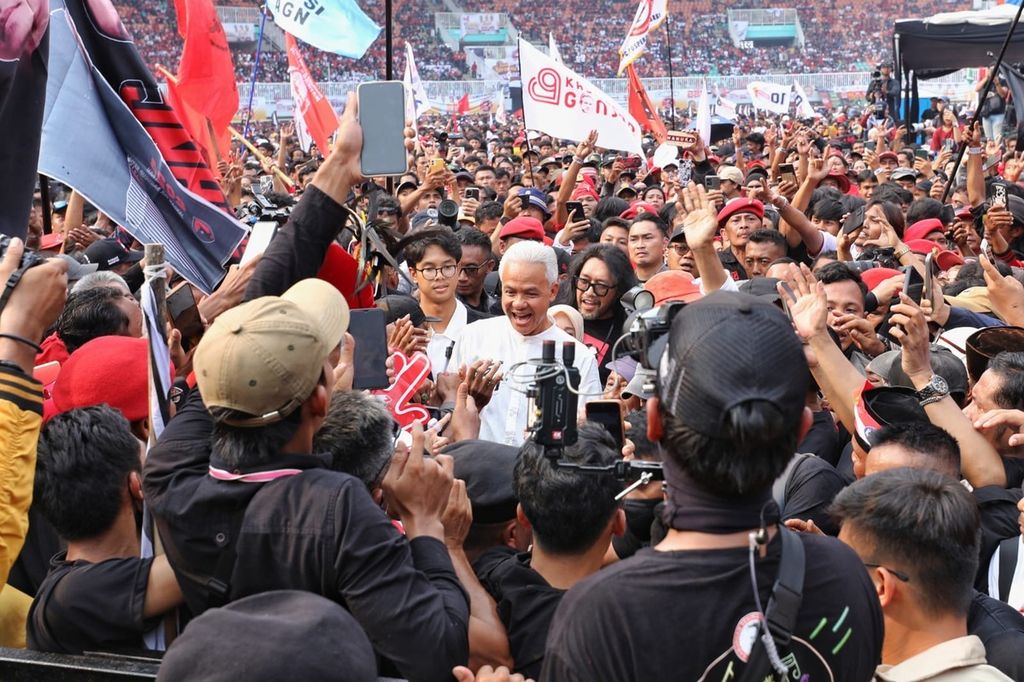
<point>642,109</point>
<point>650,14</point>
<point>559,102</point>
<point>315,119</point>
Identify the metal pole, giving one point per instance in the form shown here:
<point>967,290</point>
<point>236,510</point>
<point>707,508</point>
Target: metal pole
<point>671,80</point>
<point>46,208</point>
<point>981,98</point>
<point>255,72</point>
<point>388,42</point>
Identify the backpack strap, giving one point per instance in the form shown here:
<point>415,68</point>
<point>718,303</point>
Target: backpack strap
<point>1008,550</point>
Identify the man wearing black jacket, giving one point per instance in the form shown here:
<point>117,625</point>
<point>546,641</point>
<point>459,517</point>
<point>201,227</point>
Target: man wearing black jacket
<point>261,512</point>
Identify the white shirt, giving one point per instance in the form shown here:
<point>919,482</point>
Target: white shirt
<point>504,418</point>
<point>439,341</point>
<point>1016,596</point>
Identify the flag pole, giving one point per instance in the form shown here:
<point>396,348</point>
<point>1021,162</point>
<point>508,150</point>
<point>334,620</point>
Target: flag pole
<point>45,205</point>
<point>388,42</point>
<point>981,98</point>
<point>671,80</point>
<point>255,70</point>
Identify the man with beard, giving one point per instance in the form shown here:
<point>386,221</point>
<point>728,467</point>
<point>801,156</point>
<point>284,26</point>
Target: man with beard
<point>600,275</point>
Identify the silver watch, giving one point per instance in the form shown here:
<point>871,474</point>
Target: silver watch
<point>936,390</point>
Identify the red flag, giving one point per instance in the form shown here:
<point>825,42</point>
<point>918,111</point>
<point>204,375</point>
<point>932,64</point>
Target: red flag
<point>206,76</point>
<point>214,148</point>
<point>641,108</point>
<point>463,106</point>
<point>314,115</point>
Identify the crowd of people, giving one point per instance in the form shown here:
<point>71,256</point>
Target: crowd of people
<point>781,434</point>
<point>838,37</point>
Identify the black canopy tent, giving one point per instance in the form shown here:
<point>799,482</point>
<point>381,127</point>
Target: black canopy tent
<point>938,45</point>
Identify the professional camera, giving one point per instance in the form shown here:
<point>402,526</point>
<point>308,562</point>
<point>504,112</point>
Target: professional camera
<point>261,209</point>
<point>29,259</point>
<point>645,333</point>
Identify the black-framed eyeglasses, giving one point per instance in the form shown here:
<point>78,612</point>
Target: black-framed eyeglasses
<point>471,270</point>
<point>900,575</point>
<point>582,285</point>
<point>445,271</point>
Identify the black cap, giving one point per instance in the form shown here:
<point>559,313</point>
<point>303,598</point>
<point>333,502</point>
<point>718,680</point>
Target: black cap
<point>486,467</point>
<point>762,287</point>
<point>885,406</point>
<point>889,365</point>
<point>107,253</point>
<point>985,344</point>
<point>728,349</point>
<point>397,306</point>
<point>312,638</point>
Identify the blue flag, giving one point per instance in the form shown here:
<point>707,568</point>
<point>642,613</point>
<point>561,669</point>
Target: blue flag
<point>338,26</point>
<point>92,142</point>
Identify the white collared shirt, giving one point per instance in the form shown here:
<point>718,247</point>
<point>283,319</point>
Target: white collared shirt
<point>504,418</point>
<point>440,341</point>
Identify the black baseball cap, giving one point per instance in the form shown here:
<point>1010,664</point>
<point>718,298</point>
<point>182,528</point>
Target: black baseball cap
<point>107,253</point>
<point>885,406</point>
<point>728,349</point>
<point>486,467</point>
<point>313,638</point>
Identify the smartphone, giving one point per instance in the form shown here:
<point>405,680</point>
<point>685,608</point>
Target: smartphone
<point>181,308</point>
<point>259,239</point>
<point>913,284</point>
<point>854,221</point>
<point>870,145</point>
<point>382,118</point>
<point>575,209</point>
<point>631,163</point>
<point>473,193</point>
<point>712,182</point>
<point>437,164</point>
<point>929,268</point>
<point>999,194</point>
<point>787,173</point>
<point>921,154</point>
<point>608,413</point>
<point>524,201</point>
<point>369,329</point>
<point>947,144</point>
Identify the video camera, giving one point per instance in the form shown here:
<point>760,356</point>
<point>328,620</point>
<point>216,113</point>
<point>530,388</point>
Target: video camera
<point>261,209</point>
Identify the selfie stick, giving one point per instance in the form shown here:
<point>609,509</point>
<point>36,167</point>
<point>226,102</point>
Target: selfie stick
<point>981,98</point>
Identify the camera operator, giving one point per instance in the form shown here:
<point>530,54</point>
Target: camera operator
<point>884,88</point>
<point>729,413</point>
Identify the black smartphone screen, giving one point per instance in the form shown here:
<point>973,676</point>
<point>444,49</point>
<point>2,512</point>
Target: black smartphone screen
<point>575,209</point>
<point>608,414</point>
<point>181,307</point>
<point>368,328</point>
<point>854,221</point>
<point>382,118</point>
<point>913,285</point>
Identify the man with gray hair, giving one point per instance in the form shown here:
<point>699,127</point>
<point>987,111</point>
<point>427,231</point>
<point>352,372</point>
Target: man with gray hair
<point>529,284</point>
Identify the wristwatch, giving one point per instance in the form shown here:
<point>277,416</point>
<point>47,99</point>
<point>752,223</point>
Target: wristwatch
<point>936,390</point>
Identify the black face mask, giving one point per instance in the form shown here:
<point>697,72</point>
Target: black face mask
<point>640,514</point>
<point>690,507</point>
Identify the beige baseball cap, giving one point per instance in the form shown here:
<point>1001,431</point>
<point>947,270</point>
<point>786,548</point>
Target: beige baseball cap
<point>266,356</point>
<point>731,173</point>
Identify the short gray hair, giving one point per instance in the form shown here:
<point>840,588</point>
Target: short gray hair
<point>531,253</point>
<point>100,278</point>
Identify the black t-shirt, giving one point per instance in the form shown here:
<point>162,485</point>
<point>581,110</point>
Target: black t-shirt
<point>526,604</point>
<point>82,606</point>
<point>823,438</point>
<point>809,492</point>
<point>679,615</point>
<point>1001,629</point>
<point>600,335</point>
<point>736,270</point>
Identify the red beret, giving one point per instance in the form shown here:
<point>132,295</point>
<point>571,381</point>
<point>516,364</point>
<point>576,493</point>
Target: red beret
<point>741,205</point>
<point>923,228</point>
<point>874,276</point>
<point>108,369</point>
<point>636,208</point>
<point>888,155</point>
<point>585,189</point>
<point>523,227</point>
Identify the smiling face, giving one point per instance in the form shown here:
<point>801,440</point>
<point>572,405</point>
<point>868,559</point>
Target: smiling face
<point>526,295</point>
<point>594,306</point>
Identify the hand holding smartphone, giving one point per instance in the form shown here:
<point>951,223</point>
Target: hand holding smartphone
<point>382,118</point>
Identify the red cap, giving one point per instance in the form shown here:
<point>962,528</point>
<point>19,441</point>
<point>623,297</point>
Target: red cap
<point>888,155</point>
<point>743,205</point>
<point>523,227</point>
<point>584,189</point>
<point>841,180</point>
<point>108,369</point>
<point>964,213</point>
<point>875,276</point>
<point>923,228</point>
<point>51,241</point>
<point>339,269</point>
<point>673,285</point>
<point>636,208</point>
<point>947,259</point>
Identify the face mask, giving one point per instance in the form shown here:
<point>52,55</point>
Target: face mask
<point>640,514</point>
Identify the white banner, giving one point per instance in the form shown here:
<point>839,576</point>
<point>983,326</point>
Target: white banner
<point>560,103</point>
<point>649,15</point>
<point>479,24</point>
<point>770,96</point>
<point>240,33</point>
<point>803,105</point>
<point>553,49</point>
<point>416,101</point>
